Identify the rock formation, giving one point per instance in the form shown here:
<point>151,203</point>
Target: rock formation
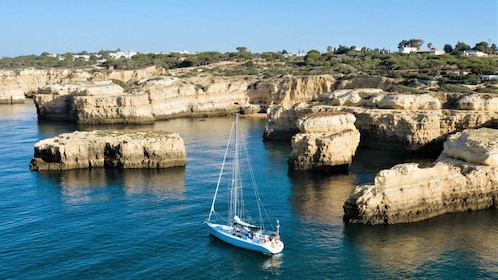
<point>92,102</point>
<point>288,90</point>
<point>479,101</point>
<point>110,149</point>
<point>463,178</point>
<point>327,141</point>
<point>164,97</point>
<point>196,96</point>
<point>15,85</point>
<point>412,122</point>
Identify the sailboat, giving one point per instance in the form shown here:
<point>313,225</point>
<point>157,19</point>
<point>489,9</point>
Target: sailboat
<point>238,228</point>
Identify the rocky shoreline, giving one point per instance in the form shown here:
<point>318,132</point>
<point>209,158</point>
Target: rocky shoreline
<point>324,119</point>
<point>463,178</point>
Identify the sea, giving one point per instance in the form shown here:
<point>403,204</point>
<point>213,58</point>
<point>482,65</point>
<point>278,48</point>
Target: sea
<point>149,224</point>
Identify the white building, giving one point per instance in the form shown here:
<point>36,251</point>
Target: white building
<point>474,53</point>
<point>120,54</point>
<point>407,49</point>
<point>489,77</point>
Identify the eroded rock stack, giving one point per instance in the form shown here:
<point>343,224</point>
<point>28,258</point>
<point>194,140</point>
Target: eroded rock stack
<point>464,178</point>
<point>110,149</point>
<point>327,141</point>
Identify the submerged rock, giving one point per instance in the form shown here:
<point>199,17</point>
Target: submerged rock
<point>110,149</point>
<point>463,178</point>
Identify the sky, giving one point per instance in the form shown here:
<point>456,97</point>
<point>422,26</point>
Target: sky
<point>61,26</point>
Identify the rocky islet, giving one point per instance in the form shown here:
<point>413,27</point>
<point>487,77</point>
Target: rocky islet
<point>109,149</point>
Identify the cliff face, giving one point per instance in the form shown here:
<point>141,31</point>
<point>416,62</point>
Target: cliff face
<point>15,85</point>
<point>289,90</point>
<point>327,141</point>
<point>465,177</point>
<point>111,149</point>
<point>172,97</point>
<point>413,121</point>
<point>163,97</point>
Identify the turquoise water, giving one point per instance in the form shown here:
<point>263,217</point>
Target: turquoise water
<point>148,224</point>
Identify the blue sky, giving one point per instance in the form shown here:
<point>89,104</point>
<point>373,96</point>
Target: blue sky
<point>60,26</point>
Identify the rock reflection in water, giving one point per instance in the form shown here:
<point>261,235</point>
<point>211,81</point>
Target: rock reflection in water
<point>167,183</point>
<point>319,199</point>
<point>81,185</point>
<point>410,247</point>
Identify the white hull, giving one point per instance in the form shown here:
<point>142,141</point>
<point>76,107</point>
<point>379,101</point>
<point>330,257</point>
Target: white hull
<point>238,232</point>
<point>256,243</point>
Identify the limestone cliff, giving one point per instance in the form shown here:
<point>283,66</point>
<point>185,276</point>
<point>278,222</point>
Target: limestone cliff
<point>413,122</point>
<point>465,177</point>
<point>172,97</point>
<point>327,141</point>
<point>162,97</point>
<point>15,85</point>
<point>110,149</point>
<point>288,90</point>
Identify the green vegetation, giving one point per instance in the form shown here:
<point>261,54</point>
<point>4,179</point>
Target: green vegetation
<point>451,70</point>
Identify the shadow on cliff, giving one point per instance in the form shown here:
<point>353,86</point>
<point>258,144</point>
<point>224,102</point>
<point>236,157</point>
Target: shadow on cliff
<point>370,159</point>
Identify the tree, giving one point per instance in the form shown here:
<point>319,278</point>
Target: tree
<point>429,46</point>
<point>241,49</point>
<point>342,49</point>
<point>312,56</point>
<point>448,48</point>
<point>483,47</point>
<point>416,43</point>
<point>403,43</point>
<point>460,47</point>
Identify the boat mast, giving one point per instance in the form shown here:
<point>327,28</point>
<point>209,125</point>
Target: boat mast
<point>220,175</point>
<point>236,172</point>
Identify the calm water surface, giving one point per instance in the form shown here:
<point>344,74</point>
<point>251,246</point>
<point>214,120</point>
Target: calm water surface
<point>148,224</point>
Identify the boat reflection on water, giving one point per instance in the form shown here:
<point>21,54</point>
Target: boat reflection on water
<point>273,263</point>
<point>407,247</point>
